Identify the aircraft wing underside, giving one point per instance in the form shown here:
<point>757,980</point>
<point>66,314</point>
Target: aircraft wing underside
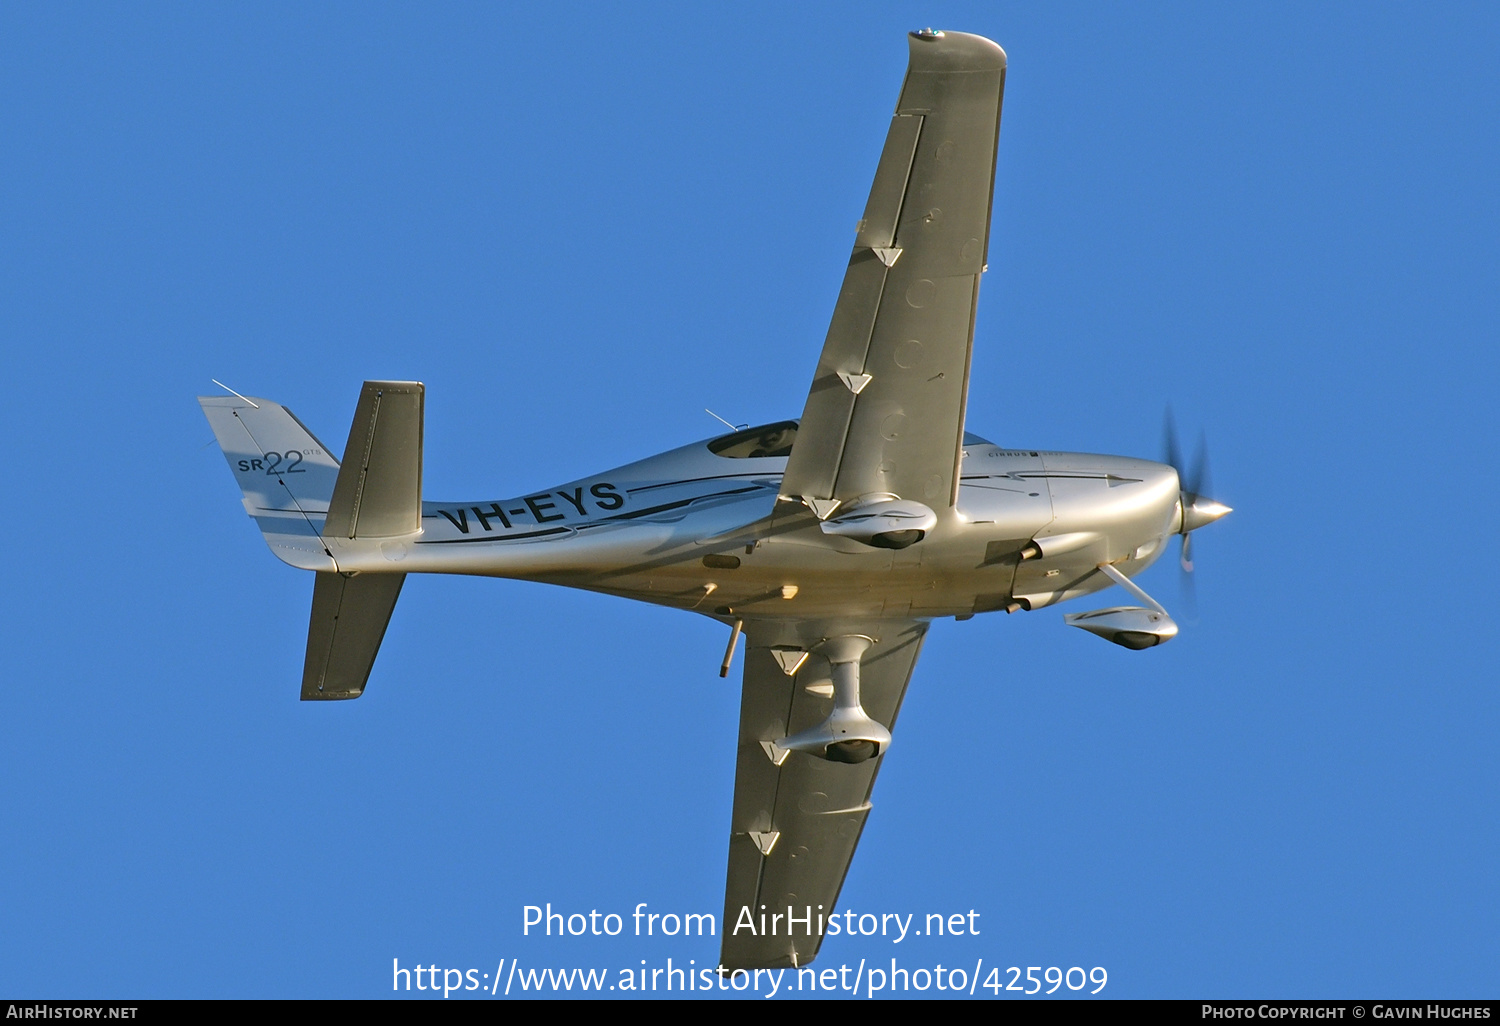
<point>795,826</point>
<point>886,409</point>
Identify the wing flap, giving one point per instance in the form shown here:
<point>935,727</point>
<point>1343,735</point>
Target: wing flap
<point>904,427</point>
<point>812,469</point>
<point>877,229</point>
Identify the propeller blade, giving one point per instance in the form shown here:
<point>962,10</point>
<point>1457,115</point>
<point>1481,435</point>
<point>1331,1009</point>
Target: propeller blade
<point>1190,588</point>
<point>1200,484</point>
<point>1172,453</point>
<point>1197,508</point>
<point>1188,580</point>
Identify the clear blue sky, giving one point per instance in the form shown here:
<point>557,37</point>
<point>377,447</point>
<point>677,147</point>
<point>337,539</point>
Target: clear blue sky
<point>580,229</point>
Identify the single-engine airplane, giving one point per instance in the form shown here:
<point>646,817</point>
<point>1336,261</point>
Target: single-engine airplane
<point>830,541</point>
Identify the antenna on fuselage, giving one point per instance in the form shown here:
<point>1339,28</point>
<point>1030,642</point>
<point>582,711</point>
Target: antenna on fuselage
<point>721,420</point>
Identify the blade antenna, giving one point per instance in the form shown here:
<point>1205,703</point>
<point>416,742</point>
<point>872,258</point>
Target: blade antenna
<point>232,392</point>
<point>721,420</point>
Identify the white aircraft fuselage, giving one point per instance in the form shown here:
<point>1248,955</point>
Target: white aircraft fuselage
<point>698,531</point>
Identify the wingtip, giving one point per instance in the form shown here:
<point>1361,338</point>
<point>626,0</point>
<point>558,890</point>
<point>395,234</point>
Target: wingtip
<point>936,50</point>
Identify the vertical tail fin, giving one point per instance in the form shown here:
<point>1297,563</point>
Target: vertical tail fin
<point>287,475</point>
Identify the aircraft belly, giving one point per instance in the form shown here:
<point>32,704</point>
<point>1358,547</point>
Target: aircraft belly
<point>767,589</point>
<point>765,586</point>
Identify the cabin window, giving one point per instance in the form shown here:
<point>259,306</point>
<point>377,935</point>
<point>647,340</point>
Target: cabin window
<point>757,442</point>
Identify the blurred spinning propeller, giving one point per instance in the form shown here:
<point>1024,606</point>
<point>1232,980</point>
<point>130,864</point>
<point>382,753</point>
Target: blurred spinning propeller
<point>1196,509</point>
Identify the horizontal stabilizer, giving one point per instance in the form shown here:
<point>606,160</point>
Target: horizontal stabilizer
<point>349,618</point>
<point>379,488</point>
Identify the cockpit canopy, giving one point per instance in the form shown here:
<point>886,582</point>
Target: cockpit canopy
<point>757,442</point>
<point>776,440</point>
